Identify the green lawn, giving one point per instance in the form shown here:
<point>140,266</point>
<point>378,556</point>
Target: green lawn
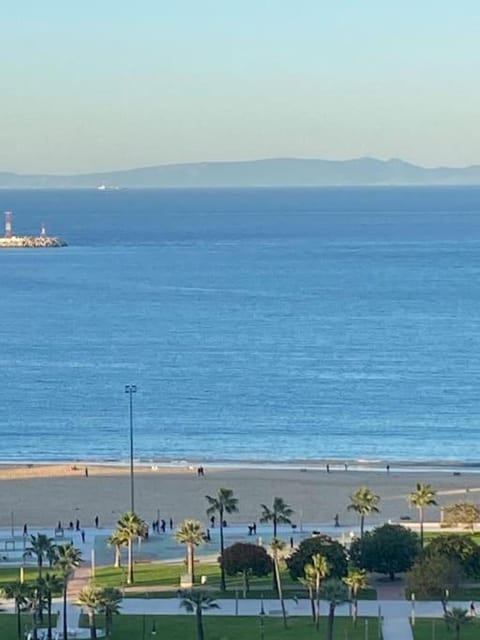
<point>235,628</point>
<point>428,629</point>
<point>11,574</point>
<point>8,625</point>
<point>168,575</point>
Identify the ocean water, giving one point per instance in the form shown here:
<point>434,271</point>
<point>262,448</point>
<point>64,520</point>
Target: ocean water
<point>259,325</point>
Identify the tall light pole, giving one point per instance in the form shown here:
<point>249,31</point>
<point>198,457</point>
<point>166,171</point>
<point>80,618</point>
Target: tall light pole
<point>131,389</point>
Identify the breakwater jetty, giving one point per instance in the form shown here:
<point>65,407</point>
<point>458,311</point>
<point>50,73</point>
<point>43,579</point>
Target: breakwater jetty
<point>42,241</point>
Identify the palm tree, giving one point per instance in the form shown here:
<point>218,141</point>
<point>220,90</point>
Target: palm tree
<point>68,559</point>
<point>18,591</point>
<point>224,502</point>
<point>51,586</point>
<point>356,581</point>
<point>308,581</point>
<point>318,569</point>
<point>34,604</point>
<point>364,502</point>
<point>335,592</point>
<point>51,555</point>
<point>89,598</point>
<point>131,526</point>
<point>277,546</point>
<point>279,514</point>
<point>118,539</point>
<point>423,497</point>
<point>41,546</point>
<point>197,602</point>
<point>110,602</point>
<point>457,618</point>
<point>191,534</point>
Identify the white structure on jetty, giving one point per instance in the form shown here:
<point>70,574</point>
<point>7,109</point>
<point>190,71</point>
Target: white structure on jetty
<point>11,241</point>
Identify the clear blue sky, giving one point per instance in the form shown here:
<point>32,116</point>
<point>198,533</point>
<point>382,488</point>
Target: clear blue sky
<point>96,85</point>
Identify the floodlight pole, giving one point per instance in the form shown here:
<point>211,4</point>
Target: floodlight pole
<point>131,389</point>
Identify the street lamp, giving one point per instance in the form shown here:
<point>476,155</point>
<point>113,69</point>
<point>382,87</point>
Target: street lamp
<point>131,389</point>
<point>262,619</point>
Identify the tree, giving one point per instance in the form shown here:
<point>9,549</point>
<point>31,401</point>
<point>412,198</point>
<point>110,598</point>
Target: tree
<point>317,570</point>
<point>308,581</point>
<point>423,497</point>
<point>35,603</point>
<point>280,513</point>
<point>356,580</point>
<point>456,618</point>
<point>332,550</point>
<point>191,534</point>
<point>388,549</point>
<point>110,601</point>
<point>247,559</point>
<point>432,575</point>
<point>68,559</point>
<point>51,585</point>
<point>118,539</point>
<point>461,513</point>
<point>41,546</point>
<point>224,502</point>
<point>459,547</point>
<point>131,526</point>
<point>89,599</point>
<point>18,591</point>
<point>364,502</point>
<point>335,592</point>
<point>197,602</point>
<point>277,546</point>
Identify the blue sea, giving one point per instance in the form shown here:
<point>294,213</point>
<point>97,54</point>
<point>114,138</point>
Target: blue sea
<point>259,325</point>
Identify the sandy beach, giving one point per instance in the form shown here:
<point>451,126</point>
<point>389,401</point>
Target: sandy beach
<point>41,495</point>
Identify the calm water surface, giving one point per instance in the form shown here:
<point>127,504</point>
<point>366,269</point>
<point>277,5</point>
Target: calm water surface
<point>257,324</point>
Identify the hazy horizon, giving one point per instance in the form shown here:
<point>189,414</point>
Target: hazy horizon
<point>243,160</point>
<point>106,87</point>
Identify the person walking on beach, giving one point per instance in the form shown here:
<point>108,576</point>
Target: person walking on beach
<point>171,523</point>
<point>96,522</point>
<point>473,611</point>
<point>83,536</point>
<point>86,472</point>
<point>25,530</point>
<point>77,524</point>
<point>212,522</point>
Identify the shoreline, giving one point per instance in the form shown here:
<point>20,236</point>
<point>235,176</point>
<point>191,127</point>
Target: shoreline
<point>334,465</point>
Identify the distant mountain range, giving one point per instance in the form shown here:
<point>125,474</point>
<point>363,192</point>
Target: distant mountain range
<point>277,172</point>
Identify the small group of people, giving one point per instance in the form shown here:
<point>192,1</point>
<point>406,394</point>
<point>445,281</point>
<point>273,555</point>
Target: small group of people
<point>212,522</point>
<point>252,529</point>
<point>200,472</point>
<point>161,525</point>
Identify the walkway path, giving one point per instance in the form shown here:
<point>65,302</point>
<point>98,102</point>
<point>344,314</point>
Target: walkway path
<point>81,578</point>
